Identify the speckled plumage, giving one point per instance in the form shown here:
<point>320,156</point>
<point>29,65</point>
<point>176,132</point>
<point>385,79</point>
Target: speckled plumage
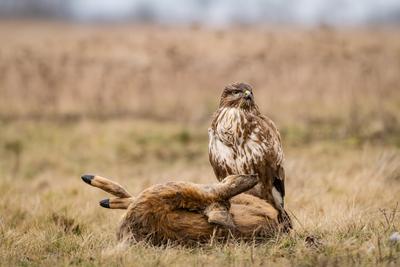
<point>243,141</point>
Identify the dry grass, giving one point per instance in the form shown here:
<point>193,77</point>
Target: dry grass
<point>133,103</point>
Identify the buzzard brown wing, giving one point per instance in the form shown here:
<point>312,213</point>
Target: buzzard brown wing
<point>243,142</point>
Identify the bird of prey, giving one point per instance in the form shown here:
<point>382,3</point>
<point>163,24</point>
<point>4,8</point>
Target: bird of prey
<point>243,141</point>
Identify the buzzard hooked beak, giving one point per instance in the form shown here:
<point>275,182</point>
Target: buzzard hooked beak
<point>248,95</point>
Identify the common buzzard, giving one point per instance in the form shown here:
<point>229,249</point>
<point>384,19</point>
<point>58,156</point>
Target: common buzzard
<point>243,141</point>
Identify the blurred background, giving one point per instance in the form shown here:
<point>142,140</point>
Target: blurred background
<point>126,89</point>
<point>217,12</point>
<point>170,59</point>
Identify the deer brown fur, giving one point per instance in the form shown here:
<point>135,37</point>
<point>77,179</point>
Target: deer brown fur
<point>187,213</point>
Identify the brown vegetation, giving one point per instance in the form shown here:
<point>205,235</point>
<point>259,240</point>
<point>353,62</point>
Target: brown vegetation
<point>136,101</point>
<point>148,72</point>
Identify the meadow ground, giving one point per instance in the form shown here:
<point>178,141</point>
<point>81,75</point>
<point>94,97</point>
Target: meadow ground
<point>134,102</point>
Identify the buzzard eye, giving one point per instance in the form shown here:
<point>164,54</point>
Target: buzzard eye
<point>236,93</point>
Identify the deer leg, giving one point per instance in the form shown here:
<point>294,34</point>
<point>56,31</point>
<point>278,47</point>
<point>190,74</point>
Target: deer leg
<point>123,198</point>
<point>218,212</point>
<point>117,203</point>
<point>106,185</point>
<point>233,185</point>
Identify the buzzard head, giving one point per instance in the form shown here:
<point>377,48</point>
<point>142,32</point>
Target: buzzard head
<point>238,95</point>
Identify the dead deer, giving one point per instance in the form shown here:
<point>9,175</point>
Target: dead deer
<point>187,213</point>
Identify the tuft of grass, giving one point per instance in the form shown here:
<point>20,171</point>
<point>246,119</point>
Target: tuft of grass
<point>139,114</point>
<point>342,198</point>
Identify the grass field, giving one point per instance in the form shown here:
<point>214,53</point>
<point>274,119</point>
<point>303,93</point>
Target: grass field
<point>134,103</point>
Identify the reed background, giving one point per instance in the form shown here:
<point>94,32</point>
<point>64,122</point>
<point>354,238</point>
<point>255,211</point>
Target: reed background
<point>133,102</point>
